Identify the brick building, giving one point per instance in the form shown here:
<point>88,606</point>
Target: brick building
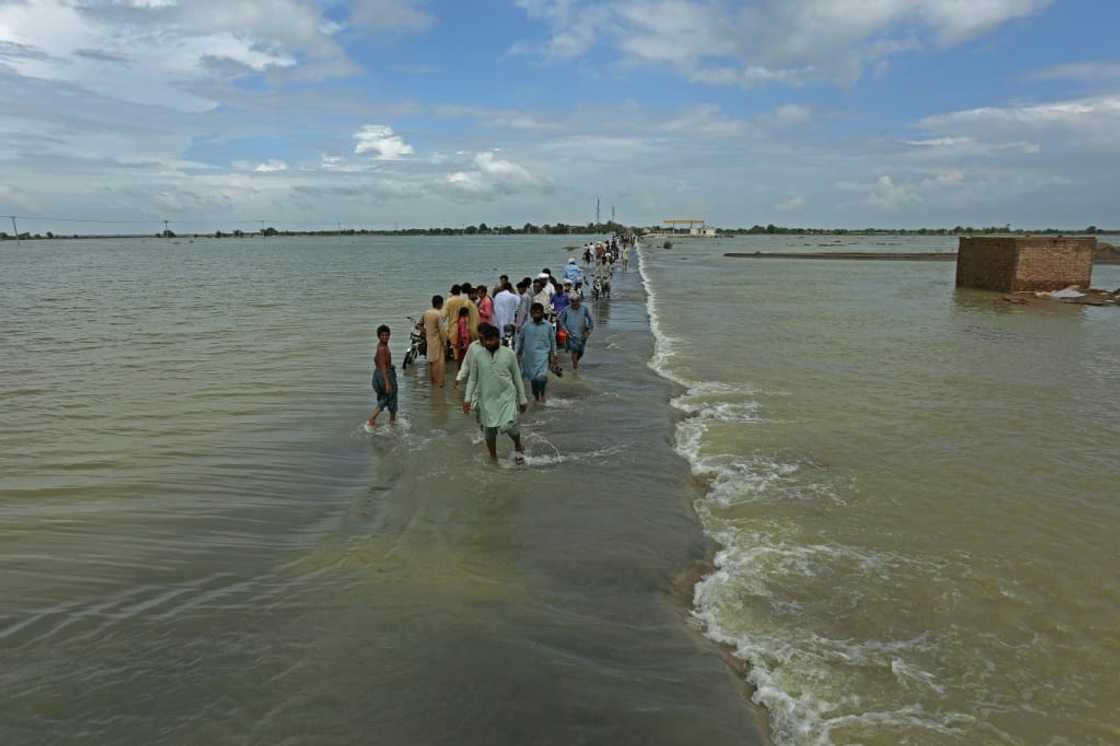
<point>1012,263</point>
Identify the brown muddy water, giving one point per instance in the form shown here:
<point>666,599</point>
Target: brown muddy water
<point>199,543</point>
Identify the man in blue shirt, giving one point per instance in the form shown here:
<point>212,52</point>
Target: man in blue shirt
<point>574,273</point>
<point>562,298</point>
<point>537,349</point>
<point>576,321</point>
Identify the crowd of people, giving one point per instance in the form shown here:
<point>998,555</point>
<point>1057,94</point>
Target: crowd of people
<point>501,337</point>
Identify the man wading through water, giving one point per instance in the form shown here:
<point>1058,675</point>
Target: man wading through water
<point>537,349</point>
<point>495,390</point>
<point>576,321</point>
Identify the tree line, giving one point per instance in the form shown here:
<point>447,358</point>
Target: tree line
<point>482,229</point>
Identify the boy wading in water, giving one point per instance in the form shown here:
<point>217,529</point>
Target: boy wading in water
<point>496,391</point>
<point>384,379</point>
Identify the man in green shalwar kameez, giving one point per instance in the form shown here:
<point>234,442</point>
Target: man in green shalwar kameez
<point>496,391</point>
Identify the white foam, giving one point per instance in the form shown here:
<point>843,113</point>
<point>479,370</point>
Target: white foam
<point>735,479</point>
<point>1070,292</point>
<point>799,675</point>
<point>781,662</point>
<point>662,343</point>
<point>722,411</point>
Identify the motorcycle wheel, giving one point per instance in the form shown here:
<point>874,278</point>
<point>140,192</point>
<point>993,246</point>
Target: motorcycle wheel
<point>408,358</point>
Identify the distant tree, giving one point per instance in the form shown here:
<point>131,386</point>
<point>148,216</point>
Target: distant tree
<point>50,235</point>
<point>217,234</point>
<point>471,230</point>
<point>482,228</point>
<point>269,231</point>
<point>530,228</point>
<point>166,234</point>
<point>1091,230</point>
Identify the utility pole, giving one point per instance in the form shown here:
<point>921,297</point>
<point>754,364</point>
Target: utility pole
<point>597,221</point>
<point>166,229</point>
<point>15,229</point>
<point>612,213</point>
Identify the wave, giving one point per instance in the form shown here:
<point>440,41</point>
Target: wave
<point>747,564</point>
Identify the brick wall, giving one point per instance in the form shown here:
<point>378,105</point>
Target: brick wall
<point>1059,263</point>
<point>1007,264</point>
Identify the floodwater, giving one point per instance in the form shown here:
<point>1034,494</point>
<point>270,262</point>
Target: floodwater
<point>200,544</point>
<point>917,490</point>
<point>913,489</point>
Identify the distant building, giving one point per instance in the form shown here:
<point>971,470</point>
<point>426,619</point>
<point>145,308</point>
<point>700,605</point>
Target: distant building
<point>684,227</point>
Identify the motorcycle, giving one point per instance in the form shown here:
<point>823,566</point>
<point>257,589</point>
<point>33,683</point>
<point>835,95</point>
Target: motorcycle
<point>600,289</point>
<point>417,343</point>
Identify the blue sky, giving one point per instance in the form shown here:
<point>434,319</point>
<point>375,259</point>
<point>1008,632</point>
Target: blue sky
<point>379,113</point>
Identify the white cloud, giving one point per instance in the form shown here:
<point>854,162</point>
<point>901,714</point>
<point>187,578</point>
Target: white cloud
<point>708,120</point>
<point>503,170</point>
<point>271,166</point>
<point>1081,71</point>
<point>791,114</point>
<point>161,51</point>
<point>966,146</point>
<point>468,182</point>
<point>499,118</point>
<point>1074,125</point>
<point>890,194</point>
<point>492,176</point>
<point>380,140</point>
<point>883,193</point>
<point>767,41</point>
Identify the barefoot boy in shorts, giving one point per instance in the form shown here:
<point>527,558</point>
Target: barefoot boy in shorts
<point>384,379</point>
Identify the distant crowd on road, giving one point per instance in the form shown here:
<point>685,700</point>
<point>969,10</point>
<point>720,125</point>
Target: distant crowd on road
<point>502,336</point>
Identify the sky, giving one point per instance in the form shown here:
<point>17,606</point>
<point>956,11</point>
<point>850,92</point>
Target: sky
<point>223,114</point>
